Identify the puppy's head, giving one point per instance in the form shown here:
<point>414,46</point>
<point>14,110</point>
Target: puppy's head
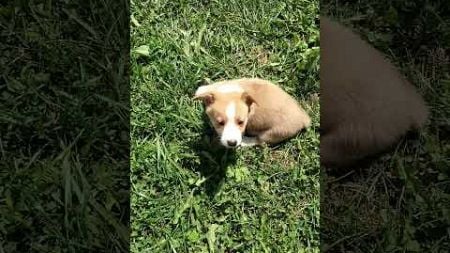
<point>228,111</point>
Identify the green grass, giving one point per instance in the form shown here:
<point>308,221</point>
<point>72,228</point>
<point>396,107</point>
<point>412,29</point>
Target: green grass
<point>400,203</point>
<point>64,126</point>
<point>188,195</point>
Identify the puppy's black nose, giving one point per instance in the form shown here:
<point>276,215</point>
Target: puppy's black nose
<point>232,143</point>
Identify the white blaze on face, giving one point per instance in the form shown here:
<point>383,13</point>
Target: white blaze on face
<point>231,133</point>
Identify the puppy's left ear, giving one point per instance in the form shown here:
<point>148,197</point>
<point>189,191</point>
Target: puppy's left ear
<point>249,100</point>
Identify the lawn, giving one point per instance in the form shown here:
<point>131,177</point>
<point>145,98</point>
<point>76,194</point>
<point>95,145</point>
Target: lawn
<point>401,203</point>
<point>64,135</point>
<point>188,195</point>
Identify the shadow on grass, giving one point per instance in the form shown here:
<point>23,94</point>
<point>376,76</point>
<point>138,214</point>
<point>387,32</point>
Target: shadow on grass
<point>365,202</point>
<point>214,159</point>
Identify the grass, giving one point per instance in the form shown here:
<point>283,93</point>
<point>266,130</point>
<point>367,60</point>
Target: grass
<point>188,195</point>
<point>401,202</point>
<point>64,130</point>
<point>64,126</point>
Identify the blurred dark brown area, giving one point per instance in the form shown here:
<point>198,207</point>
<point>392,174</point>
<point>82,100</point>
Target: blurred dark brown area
<point>391,195</point>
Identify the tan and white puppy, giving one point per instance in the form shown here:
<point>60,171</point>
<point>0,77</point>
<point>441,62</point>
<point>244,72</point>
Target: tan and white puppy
<point>251,111</point>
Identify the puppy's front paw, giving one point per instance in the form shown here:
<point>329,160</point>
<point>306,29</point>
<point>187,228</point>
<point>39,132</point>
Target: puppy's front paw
<point>250,141</point>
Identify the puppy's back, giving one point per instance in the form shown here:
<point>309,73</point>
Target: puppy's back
<point>365,102</point>
<point>275,105</point>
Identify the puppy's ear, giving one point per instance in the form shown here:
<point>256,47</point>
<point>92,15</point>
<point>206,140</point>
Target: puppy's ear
<point>248,99</point>
<point>207,98</point>
<point>205,94</point>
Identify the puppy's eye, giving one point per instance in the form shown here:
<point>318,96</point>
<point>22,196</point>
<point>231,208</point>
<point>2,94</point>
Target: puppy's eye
<point>221,122</point>
<point>240,122</point>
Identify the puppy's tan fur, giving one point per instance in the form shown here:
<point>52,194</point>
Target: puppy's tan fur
<point>366,104</point>
<point>266,111</point>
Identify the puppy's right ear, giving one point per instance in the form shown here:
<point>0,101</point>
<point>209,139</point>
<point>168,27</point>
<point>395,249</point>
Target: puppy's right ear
<point>205,94</point>
<point>207,98</point>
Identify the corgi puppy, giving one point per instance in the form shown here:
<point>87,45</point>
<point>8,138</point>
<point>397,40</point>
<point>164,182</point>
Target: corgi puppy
<point>251,111</point>
<point>366,104</point>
